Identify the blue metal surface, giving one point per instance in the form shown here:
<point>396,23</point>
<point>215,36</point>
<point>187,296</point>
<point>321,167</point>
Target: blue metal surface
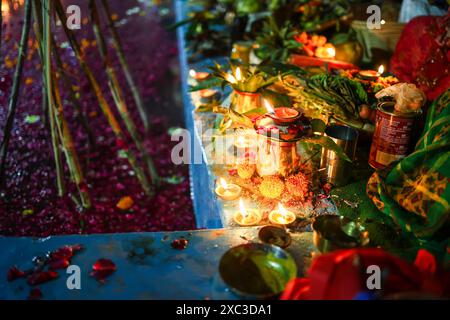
<point>147,266</point>
<point>206,208</point>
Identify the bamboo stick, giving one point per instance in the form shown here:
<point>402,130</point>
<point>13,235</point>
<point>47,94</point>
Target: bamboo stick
<point>114,124</point>
<point>123,62</point>
<point>15,91</point>
<point>117,94</point>
<point>45,43</point>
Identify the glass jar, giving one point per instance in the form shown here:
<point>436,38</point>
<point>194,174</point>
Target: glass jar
<point>276,157</point>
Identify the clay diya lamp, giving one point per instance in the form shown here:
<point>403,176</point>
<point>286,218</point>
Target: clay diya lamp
<point>228,191</point>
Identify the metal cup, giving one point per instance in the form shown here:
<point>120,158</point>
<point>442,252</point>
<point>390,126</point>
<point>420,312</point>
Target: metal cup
<point>334,169</point>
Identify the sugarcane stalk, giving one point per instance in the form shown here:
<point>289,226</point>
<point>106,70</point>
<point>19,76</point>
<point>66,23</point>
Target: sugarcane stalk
<point>125,68</point>
<point>56,109</point>
<point>117,94</point>
<point>79,111</point>
<point>37,26</point>
<point>23,45</point>
<point>45,51</point>
<point>69,148</point>
<point>114,124</point>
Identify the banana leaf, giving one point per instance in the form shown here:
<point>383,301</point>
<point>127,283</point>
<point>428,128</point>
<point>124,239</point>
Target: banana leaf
<point>327,143</point>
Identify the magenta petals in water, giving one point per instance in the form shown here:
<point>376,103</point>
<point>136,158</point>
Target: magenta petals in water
<point>31,206</point>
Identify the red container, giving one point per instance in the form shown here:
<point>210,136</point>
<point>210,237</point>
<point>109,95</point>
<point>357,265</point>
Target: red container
<point>392,137</point>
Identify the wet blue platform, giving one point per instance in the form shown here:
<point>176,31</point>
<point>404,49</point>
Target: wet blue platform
<point>147,266</point>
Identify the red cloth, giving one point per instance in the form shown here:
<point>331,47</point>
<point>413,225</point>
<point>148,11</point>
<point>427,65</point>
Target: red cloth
<point>422,54</point>
<point>342,275</point>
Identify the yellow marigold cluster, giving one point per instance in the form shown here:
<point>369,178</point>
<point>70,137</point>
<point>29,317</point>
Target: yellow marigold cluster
<point>246,170</point>
<point>271,187</point>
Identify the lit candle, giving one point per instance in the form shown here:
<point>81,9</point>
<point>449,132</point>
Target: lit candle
<point>281,216</point>
<point>246,217</point>
<point>228,191</point>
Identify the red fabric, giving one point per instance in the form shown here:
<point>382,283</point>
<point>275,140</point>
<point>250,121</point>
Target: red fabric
<point>419,42</point>
<point>342,275</point>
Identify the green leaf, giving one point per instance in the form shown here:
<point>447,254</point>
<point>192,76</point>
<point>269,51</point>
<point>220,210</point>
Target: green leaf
<point>122,154</point>
<point>27,212</point>
<point>206,84</point>
<point>277,99</point>
<point>318,125</point>
<point>327,143</point>
<point>240,119</point>
<point>173,179</point>
<point>256,111</point>
<point>30,118</point>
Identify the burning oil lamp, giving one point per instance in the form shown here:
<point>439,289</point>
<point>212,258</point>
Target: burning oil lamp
<point>228,191</point>
<point>281,216</point>
<point>326,52</point>
<point>371,75</point>
<point>281,115</point>
<point>198,76</point>
<point>246,217</point>
<point>209,96</point>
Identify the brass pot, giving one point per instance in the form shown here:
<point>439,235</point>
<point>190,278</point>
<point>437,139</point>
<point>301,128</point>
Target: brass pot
<point>243,102</point>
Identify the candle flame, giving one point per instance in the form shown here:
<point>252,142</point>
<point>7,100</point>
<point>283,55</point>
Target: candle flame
<point>331,52</point>
<point>268,107</point>
<point>223,183</point>
<point>242,208</point>
<point>192,73</point>
<point>238,74</point>
<point>381,69</point>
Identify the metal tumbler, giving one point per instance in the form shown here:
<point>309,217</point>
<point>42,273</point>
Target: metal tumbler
<point>335,170</point>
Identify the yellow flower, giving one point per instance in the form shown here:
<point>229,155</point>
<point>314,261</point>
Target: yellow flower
<point>271,187</point>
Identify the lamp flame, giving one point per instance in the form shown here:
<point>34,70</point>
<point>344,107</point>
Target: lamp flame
<point>268,107</point>
<point>283,212</point>
<point>192,73</point>
<point>223,183</point>
<point>242,208</point>
<point>331,52</point>
<point>381,69</point>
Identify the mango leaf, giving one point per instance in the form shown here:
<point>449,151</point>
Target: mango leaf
<point>327,143</point>
<point>277,99</point>
<point>256,111</point>
<point>240,119</point>
<point>318,125</point>
<point>206,84</point>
